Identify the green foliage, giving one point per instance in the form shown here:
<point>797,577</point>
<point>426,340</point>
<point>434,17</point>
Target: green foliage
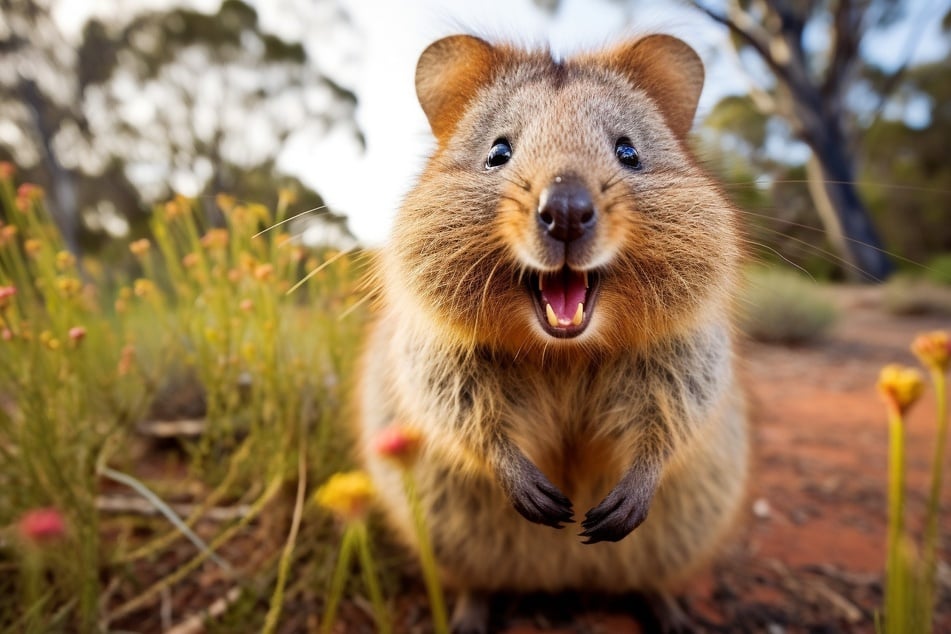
<point>939,269</point>
<point>84,357</point>
<point>779,306</point>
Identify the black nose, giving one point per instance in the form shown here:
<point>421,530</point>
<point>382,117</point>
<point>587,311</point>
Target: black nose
<point>566,210</point>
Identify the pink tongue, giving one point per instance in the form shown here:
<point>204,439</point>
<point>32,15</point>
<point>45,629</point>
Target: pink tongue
<point>563,290</point>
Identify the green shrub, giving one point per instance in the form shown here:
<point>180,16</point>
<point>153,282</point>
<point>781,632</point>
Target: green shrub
<point>780,306</point>
<point>939,269</point>
<point>83,358</point>
<point>905,294</point>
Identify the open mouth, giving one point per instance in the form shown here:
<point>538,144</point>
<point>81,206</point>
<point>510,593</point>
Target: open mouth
<point>564,300</point>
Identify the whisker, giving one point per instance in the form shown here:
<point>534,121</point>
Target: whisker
<point>320,268</point>
<point>278,224</point>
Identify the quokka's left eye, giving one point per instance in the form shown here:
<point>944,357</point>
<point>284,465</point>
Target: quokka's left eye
<point>626,154</point>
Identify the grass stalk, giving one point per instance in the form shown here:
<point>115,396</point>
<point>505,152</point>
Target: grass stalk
<point>427,557</point>
<point>934,500</point>
<point>896,585</point>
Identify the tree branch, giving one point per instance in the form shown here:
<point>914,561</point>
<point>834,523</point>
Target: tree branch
<point>740,24</point>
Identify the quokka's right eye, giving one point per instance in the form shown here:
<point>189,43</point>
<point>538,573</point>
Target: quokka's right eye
<point>499,155</point>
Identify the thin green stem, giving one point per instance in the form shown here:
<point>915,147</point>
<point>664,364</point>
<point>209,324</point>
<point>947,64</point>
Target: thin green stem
<point>371,580</point>
<point>426,557</point>
<point>934,500</point>
<point>338,580</point>
<point>896,585</point>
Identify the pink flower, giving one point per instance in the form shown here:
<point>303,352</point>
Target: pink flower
<point>27,195</point>
<point>77,333</point>
<point>42,526</point>
<point>398,442</point>
<point>6,292</point>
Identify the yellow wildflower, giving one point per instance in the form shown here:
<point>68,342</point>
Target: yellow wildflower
<point>346,494</point>
<point>65,260</point>
<point>68,286</point>
<point>32,246</point>
<point>933,349</point>
<point>143,287</point>
<point>900,386</point>
<point>225,202</point>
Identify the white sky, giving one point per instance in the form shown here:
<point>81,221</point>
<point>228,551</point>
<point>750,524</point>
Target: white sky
<point>369,186</point>
<point>377,61</point>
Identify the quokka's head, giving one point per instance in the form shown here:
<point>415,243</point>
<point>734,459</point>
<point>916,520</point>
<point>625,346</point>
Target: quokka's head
<point>561,207</point>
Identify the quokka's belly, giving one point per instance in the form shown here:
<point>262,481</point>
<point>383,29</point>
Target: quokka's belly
<point>482,543</point>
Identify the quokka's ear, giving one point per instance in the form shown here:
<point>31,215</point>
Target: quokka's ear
<point>668,70</point>
<point>449,73</point>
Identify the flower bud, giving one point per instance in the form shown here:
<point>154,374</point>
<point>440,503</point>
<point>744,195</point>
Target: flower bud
<point>900,386</point>
<point>933,349</point>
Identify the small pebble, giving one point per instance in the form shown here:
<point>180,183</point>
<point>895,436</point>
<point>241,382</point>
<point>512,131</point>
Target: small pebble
<point>761,508</point>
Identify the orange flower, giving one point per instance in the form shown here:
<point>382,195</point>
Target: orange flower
<point>190,260</point>
<point>933,349</point>
<point>126,360</point>
<point>264,272</point>
<point>7,233</point>
<point>41,526</point>
<point>140,247</point>
<point>900,386</point>
<point>7,170</point>
<point>215,239</point>
<point>225,202</point>
<point>398,443</point>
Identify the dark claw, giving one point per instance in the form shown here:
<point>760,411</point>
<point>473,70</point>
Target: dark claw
<point>622,510</point>
<point>533,495</point>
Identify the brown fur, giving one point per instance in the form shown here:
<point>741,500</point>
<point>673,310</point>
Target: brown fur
<point>642,407</point>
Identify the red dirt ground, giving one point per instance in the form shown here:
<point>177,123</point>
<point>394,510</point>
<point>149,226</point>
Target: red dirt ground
<point>810,551</point>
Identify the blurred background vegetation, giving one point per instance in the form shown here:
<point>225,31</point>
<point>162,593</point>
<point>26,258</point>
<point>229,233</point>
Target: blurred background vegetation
<point>833,152</point>
<point>152,344</point>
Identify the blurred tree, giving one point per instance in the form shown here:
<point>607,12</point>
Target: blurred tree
<point>905,168</point>
<point>807,84</point>
<point>168,100</point>
<point>39,102</point>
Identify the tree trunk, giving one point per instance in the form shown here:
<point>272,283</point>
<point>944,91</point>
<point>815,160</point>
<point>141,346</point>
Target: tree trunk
<point>853,232</point>
<point>64,204</point>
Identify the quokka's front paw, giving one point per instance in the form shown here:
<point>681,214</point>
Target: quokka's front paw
<point>533,494</point>
<point>623,509</point>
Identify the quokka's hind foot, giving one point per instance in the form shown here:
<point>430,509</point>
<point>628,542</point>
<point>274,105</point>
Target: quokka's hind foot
<point>471,614</point>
